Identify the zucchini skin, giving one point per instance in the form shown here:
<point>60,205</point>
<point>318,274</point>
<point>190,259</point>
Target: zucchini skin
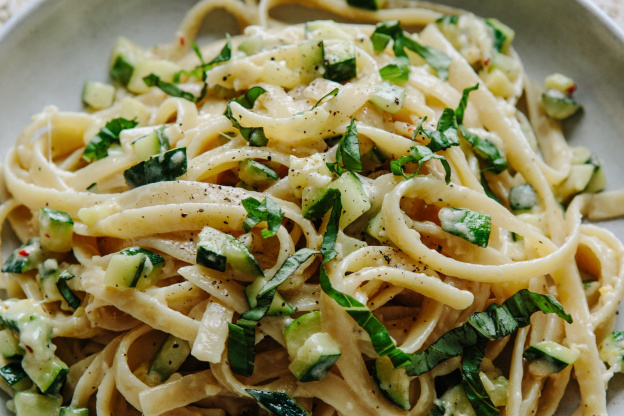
<point>167,166</point>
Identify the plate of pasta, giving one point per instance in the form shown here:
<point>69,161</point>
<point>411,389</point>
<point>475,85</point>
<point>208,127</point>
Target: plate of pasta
<point>318,208</point>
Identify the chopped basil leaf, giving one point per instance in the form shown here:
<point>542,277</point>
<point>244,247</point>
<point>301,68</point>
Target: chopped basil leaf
<point>153,80</point>
<point>419,154</point>
<point>380,338</point>
<point>332,93</point>
<point>200,70</point>
<point>241,346</point>
<point>495,323</point>
<point>473,227</point>
<point>380,41</point>
<point>463,103</point>
<point>254,135</point>
<point>445,135</point>
<point>395,72</point>
<point>471,382</point>
<point>267,210</point>
<point>348,155</point>
<point>108,135</point>
<point>72,300</point>
<point>386,30</point>
<point>487,189</point>
<point>278,403</point>
<point>434,57</point>
<point>289,267</point>
<point>485,151</point>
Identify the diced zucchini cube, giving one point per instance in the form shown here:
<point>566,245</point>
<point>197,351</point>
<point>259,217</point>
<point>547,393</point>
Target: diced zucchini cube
<point>15,376</point>
<point>123,59</point>
<point>153,144</point>
<point>472,226</point>
<point>56,230</point>
<point>134,267</point>
<point>217,249</point>
<point>300,330</point>
<point>339,61</point>
<point>548,357</point>
<point>354,197</point>
<point>393,382</point>
<point>388,97</point>
<point>315,357</point>
<point>24,258</point>
<point>252,44</point>
<point>522,197</point>
<point>503,34</point>
<point>561,83</point>
<point>98,95</point>
<point>49,375</point>
<point>9,345</point>
<point>33,403</point>
<point>280,306</point>
<point>558,105</point>
<point>256,174</point>
<point>170,356</point>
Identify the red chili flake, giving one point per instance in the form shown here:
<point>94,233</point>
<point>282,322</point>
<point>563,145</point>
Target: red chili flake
<point>571,89</point>
<point>181,40</point>
<point>23,252</point>
<point>486,62</point>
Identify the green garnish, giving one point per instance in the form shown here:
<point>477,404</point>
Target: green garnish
<point>108,136</point>
<point>348,155</point>
<point>386,30</point>
<point>254,135</point>
<point>267,210</point>
<point>419,154</point>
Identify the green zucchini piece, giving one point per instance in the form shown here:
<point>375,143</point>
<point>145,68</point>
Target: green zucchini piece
<point>24,258</point>
<point>123,59</point>
<point>522,197</point>
<point>301,329</point>
<point>256,174</point>
<point>312,352</point>
<point>280,306</point>
<point>316,203</point>
<point>56,230</point>
<point>167,166</point>
<point>154,143</point>
<point>393,383</point>
<point>339,61</point>
<point>503,34</point>
<point>171,355</point>
<point>355,199</point>
<point>278,403</point>
<point>9,345</point>
<point>367,4</point>
<point>315,357</point>
<point>558,105</point>
<point>473,227</point>
<point>28,403</point>
<point>217,249</point>
<point>252,44</point>
<point>15,376</point>
<point>98,95</point>
<point>388,97</point>
<point>74,411</point>
<point>548,357</point>
<point>241,346</point>
<point>134,267</point>
<point>49,375</point>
